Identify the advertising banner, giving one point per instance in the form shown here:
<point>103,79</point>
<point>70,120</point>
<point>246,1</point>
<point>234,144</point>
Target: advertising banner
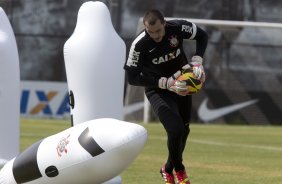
<point>40,99</point>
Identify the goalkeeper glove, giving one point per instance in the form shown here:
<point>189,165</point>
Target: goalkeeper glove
<point>167,83</point>
<point>172,84</point>
<point>198,69</point>
<point>171,81</point>
<point>162,82</point>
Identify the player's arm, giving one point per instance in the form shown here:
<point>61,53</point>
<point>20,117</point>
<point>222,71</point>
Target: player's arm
<point>190,31</point>
<point>201,38</point>
<point>137,79</point>
<point>134,66</point>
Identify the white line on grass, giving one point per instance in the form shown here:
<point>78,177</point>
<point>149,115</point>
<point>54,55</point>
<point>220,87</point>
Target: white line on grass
<point>270,148</point>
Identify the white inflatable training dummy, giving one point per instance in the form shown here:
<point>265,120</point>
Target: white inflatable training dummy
<point>88,153</point>
<point>94,57</point>
<point>9,91</point>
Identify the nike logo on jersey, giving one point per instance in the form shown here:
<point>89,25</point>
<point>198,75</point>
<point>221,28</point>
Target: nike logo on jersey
<point>152,49</point>
<point>206,114</point>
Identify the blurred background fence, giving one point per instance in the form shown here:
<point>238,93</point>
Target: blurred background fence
<point>243,64</point>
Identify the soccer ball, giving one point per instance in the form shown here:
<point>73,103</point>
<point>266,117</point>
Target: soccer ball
<point>188,78</point>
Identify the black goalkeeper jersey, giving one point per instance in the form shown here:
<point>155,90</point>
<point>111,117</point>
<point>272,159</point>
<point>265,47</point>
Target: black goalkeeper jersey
<point>149,60</point>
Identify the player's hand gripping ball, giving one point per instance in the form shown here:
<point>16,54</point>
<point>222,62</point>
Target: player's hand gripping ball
<point>187,83</point>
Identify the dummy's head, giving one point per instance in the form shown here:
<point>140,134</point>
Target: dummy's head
<point>94,16</point>
<point>154,24</point>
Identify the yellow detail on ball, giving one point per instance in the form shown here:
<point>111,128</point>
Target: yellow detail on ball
<point>193,85</point>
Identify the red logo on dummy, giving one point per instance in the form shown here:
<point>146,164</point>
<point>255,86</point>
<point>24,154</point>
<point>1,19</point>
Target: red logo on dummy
<point>61,148</point>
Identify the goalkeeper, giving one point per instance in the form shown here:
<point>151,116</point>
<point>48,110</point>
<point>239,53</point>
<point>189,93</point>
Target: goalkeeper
<point>155,60</point>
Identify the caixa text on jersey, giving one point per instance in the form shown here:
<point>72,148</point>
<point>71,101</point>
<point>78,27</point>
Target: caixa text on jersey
<point>167,57</point>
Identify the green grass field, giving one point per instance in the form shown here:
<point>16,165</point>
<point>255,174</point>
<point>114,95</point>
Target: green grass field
<point>215,154</point>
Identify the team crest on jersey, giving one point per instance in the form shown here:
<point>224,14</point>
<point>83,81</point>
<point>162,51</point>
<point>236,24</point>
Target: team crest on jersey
<point>173,41</point>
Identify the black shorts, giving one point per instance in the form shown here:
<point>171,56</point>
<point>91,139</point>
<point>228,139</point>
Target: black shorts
<point>173,110</point>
